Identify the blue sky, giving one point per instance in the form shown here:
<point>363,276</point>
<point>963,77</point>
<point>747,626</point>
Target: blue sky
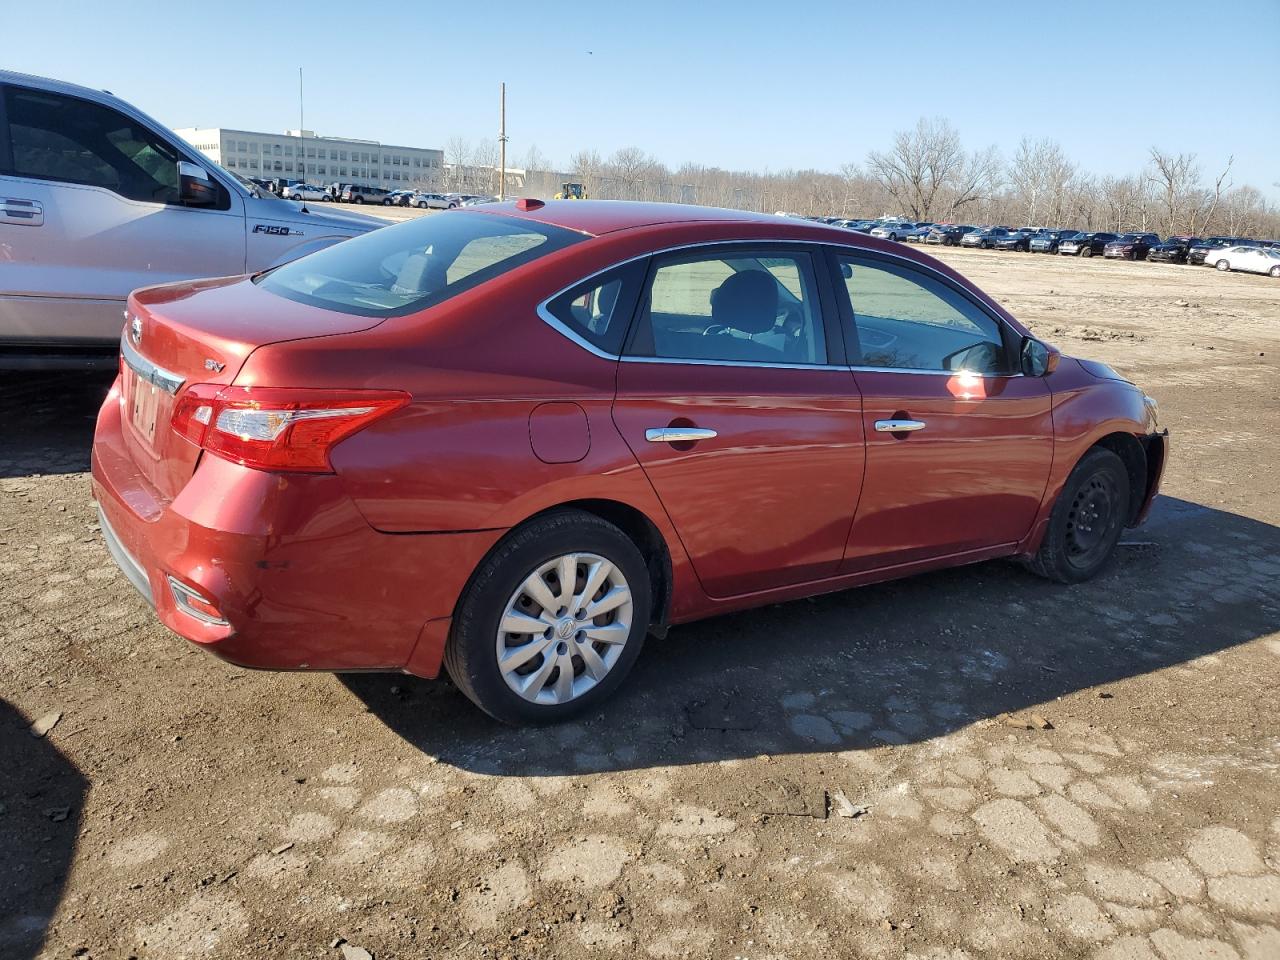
<point>744,85</point>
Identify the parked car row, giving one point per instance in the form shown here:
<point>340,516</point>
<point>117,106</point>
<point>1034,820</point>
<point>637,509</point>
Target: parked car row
<point>1223,252</point>
<point>360,194</point>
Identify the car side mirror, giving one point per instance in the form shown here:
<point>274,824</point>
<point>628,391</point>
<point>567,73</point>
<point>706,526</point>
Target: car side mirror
<point>1038,359</point>
<point>195,187</point>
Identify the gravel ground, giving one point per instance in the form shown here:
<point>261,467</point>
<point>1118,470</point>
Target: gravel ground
<point>973,763</point>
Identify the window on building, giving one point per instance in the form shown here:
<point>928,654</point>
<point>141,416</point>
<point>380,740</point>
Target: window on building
<point>342,172</point>
<point>311,152</point>
<point>253,163</point>
<point>242,147</point>
<point>342,154</point>
<point>386,158</point>
<point>333,154</point>
<point>288,150</point>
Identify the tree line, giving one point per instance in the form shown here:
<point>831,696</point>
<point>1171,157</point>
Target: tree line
<point>926,173</point>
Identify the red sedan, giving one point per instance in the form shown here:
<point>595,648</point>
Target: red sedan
<point>517,439</point>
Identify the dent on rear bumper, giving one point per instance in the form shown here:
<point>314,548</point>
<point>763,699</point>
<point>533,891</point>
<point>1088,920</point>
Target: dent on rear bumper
<point>302,579</point>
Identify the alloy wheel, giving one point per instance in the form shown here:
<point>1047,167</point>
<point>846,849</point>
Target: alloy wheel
<point>564,628</point>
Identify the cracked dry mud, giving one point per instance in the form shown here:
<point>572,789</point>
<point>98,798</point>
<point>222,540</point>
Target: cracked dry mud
<point>213,812</point>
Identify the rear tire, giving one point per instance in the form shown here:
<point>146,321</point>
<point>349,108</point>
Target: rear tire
<point>1086,252</point>
<point>500,586</point>
<point>1087,521</point>
<point>1274,272</point>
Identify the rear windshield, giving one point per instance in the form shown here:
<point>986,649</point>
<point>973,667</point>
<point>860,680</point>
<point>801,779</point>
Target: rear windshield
<point>414,265</point>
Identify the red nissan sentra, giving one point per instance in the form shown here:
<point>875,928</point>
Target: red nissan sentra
<point>516,439</point>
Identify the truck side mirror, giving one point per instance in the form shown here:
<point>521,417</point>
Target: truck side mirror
<point>1038,359</point>
<point>195,187</point>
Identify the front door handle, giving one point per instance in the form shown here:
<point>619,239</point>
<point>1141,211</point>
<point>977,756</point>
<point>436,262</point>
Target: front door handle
<point>23,213</point>
<point>678,434</point>
<point>899,426</point>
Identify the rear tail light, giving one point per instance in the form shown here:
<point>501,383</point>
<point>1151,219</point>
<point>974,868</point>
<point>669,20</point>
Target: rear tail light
<point>276,428</point>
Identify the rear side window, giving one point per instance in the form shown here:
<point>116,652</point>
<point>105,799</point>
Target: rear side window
<point>406,268</point>
<point>598,310</point>
<point>744,306</point>
<point>54,137</point>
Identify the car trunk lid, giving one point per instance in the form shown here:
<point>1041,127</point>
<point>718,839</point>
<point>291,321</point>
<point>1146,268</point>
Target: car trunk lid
<point>173,339</point>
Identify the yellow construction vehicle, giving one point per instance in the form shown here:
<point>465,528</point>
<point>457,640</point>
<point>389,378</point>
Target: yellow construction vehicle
<point>571,191</point>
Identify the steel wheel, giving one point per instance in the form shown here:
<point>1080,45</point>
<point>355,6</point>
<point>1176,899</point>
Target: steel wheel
<point>1092,520</point>
<point>564,628</point>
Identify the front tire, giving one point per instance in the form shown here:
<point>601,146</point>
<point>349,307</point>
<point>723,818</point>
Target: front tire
<point>552,621</point>
<point>1223,265</point>
<point>1087,521</point>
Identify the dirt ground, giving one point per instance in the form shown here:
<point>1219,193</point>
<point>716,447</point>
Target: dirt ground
<point>1034,770</point>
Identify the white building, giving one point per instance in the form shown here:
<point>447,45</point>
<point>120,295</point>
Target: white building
<point>301,155</point>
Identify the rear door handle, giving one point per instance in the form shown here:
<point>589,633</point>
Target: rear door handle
<point>899,426</point>
<point>21,213</point>
<point>678,434</point>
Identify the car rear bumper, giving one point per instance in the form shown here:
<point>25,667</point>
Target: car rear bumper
<point>299,579</point>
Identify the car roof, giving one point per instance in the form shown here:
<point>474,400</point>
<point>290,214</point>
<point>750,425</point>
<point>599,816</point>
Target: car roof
<point>596,217</point>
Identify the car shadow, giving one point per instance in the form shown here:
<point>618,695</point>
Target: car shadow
<point>47,420</point>
<point>895,663</point>
<point>41,798</point>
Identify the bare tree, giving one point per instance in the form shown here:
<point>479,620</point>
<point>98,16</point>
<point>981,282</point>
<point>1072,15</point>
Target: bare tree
<point>977,178</point>
<point>1176,180</point>
<point>535,159</point>
<point>1210,206</point>
<point>921,164</point>
<point>457,153</point>
<point>1039,176</point>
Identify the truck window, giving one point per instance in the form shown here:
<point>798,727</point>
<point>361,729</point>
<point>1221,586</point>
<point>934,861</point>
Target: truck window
<point>55,137</point>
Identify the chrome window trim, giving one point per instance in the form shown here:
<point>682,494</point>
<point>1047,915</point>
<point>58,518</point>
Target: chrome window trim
<point>732,363</point>
<point>166,380</point>
<point>564,330</point>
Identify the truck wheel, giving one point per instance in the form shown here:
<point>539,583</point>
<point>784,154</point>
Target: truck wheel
<point>1087,520</point>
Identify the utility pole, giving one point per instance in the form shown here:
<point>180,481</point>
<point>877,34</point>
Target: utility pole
<point>502,142</point>
<point>302,143</point>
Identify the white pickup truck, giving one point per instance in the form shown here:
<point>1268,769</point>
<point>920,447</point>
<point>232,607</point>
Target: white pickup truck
<point>98,199</point>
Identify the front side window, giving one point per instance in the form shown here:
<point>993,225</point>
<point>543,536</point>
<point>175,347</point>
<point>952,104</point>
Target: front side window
<point>741,306</point>
<point>414,265</point>
<point>75,141</point>
<point>906,320</point>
